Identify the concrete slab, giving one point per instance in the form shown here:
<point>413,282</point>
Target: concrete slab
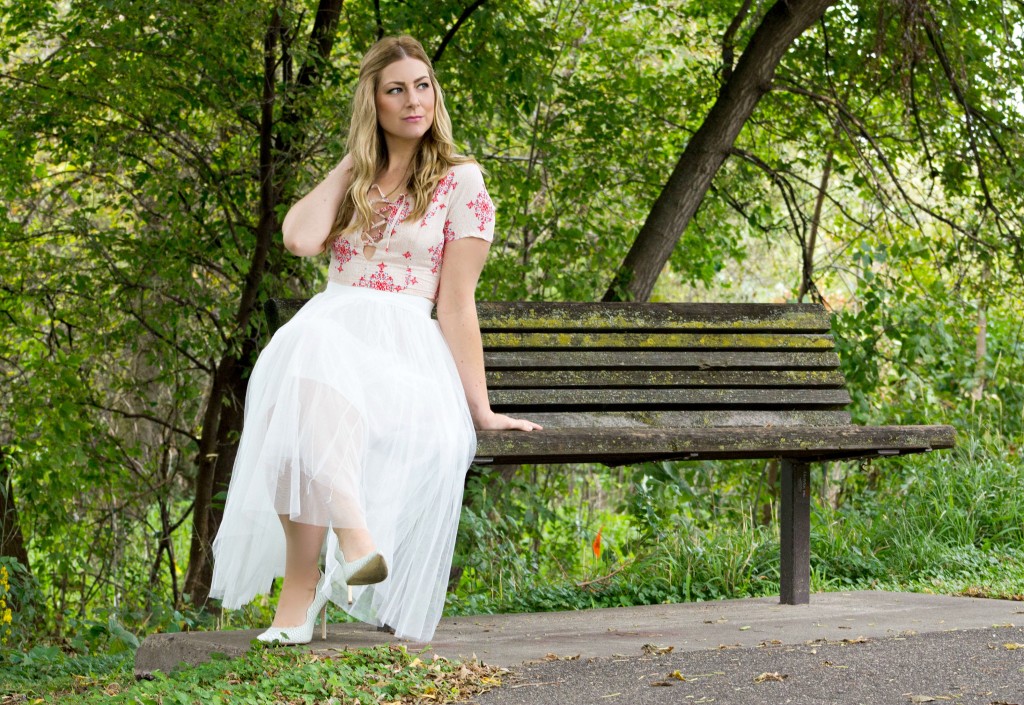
<point>513,639</point>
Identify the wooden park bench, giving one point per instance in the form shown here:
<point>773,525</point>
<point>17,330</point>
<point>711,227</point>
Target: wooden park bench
<point>623,383</point>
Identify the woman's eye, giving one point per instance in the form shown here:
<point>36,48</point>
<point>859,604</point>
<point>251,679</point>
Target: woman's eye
<point>423,86</point>
<point>394,90</point>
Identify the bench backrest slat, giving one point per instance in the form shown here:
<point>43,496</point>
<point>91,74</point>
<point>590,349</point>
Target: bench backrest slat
<point>660,359</point>
<point>678,379</point>
<point>758,340</point>
<point>648,398</point>
<point>539,316</point>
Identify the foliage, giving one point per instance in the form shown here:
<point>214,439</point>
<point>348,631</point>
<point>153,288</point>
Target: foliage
<point>909,357</point>
<point>264,675</point>
<point>19,612</point>
<point>949,522</point>
<point>6,615</point>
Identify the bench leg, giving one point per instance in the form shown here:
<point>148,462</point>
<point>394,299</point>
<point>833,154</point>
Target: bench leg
<point>795,533</point>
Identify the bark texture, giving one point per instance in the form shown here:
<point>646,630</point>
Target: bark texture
<point>12,540</point>
<point>710,145</point>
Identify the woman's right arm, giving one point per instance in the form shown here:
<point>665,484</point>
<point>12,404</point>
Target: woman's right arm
<point>310,220</point>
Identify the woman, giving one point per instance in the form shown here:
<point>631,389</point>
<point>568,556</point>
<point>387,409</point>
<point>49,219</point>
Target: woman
<point>360,412</point>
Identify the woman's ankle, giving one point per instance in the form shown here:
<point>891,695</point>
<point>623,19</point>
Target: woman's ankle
<point>355,543</point>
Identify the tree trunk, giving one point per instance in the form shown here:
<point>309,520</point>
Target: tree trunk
<point>205,517</point>
<point>708,148</point>
<point>807,270</point>
<point>12,541</point>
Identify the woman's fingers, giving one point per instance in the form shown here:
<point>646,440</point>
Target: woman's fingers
<point>522,424</point>
<point>501,422</point>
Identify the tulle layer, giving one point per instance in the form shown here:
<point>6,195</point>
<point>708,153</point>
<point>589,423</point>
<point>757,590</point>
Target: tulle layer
<point>354,418</point>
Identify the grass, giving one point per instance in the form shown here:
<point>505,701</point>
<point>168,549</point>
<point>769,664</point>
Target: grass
<point>264,675</point>
<point>950,523</point>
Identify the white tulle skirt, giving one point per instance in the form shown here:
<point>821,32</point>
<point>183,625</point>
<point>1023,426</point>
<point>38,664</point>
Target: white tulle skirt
<point>355,417</point>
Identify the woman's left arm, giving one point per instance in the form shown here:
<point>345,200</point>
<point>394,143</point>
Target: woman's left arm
<point>456,313</point>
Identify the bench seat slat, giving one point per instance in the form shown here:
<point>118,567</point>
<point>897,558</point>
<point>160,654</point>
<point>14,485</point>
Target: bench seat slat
<point>498,379</point>
<point>659,359</point>
<point>658,316</point>
<point>702,418</point>
<point>513,340</point>
<point>540,399</point>
<point>621,446</point>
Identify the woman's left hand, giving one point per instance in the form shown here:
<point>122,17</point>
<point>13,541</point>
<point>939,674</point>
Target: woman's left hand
<point>491,421</point>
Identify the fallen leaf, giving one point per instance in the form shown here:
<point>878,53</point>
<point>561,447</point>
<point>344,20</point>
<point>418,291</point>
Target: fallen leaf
<point>1002,626</point>
<point>677,675</point>
<point>773,642</point>
<point>855,640</point>
<point>556,657</point>
<point>743,629</point>
<point>664,684</point>
<point>771,677</point>
<point>655,650</point>
<point>1013,646</point>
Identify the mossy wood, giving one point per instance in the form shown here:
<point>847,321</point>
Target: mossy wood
<point>622,383</point>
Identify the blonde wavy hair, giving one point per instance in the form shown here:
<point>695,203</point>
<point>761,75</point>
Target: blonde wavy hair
<point>366,144</point>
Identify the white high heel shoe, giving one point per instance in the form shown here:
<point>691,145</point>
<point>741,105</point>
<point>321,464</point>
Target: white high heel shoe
<point>302,633</point>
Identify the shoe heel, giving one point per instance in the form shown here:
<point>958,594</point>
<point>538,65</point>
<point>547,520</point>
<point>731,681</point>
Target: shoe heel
<point>323,623</point>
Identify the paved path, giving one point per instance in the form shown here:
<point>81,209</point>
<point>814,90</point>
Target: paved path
<point>971,667</point>
<point>898,639</point>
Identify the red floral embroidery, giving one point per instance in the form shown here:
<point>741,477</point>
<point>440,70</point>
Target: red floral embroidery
<point>436,256</point>
<point>437,251</point>
<point>407,255</point>
<point>380,280</point>
<point>402,212</point>
<point>444,187</point>
<point>483,209</point>
<point>343,252</point>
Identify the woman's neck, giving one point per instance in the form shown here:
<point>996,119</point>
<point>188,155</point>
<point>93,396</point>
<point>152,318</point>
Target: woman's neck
<point>401,154</point>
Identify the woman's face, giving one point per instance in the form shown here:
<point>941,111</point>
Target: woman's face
<point>405,100</point>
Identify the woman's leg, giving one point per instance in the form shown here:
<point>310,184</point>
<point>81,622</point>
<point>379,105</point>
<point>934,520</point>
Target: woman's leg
<point>336,435</point>
<point>301,571</point>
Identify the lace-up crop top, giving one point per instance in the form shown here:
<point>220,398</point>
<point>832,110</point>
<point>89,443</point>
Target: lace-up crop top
<point>408,254</point>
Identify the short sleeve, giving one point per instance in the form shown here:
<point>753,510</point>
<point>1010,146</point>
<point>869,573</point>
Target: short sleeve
<point>470,212</point>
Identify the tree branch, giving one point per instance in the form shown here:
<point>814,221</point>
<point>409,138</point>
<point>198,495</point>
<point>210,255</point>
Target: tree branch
<point>728,39</point>
<point>145,417</point>
<point>708,148</point>
<point>321,40</point>
<point>455,28</point>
